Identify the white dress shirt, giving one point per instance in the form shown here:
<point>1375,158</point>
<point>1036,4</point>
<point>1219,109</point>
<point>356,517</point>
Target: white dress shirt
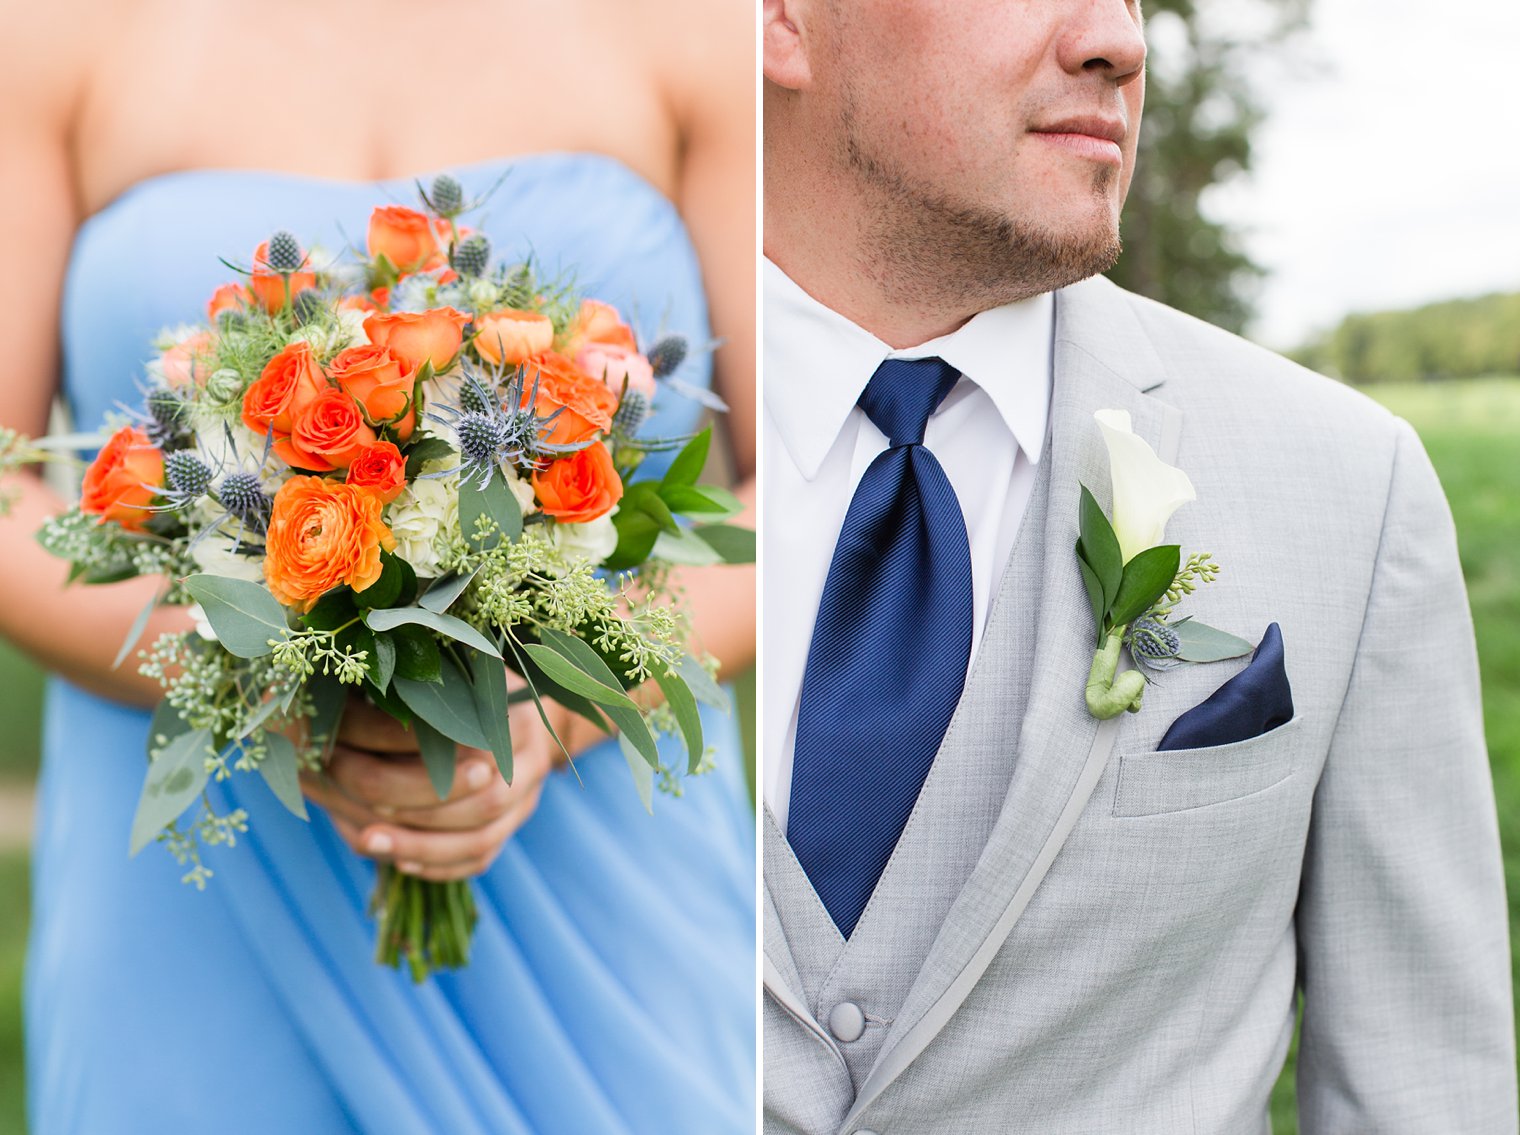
<point>816,445</point>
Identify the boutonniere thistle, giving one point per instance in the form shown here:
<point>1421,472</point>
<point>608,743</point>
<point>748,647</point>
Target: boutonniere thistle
<point>1134,581</point>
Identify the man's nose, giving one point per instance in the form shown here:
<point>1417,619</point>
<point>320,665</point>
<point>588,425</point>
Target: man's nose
<point>1104,36</point>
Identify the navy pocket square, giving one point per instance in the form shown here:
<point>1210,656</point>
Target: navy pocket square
<point>1253,702</point>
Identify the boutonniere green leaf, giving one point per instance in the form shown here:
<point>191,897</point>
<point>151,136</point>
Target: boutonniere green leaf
<point>1134,583</point>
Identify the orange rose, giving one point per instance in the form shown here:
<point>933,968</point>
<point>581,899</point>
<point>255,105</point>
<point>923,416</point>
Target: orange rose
<point>327,435</point>
<point>417,337</point>
<point>511,337</point>
<point>123,479</point>
<point>228,297</point>
<point>286,386</point>
<point>378,382</point>
<point>580,487</point>
<point>403,236</point>
<point>322,534</point>
<point>587,404</point>
<point>269,286</point>
<point>381,469</point>
<point>189,361</point>
<point>598,322</point>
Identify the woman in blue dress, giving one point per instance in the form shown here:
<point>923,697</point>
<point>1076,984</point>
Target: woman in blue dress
<point>612,983</point>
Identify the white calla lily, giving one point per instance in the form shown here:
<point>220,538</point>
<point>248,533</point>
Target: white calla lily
<point>1146,489</point>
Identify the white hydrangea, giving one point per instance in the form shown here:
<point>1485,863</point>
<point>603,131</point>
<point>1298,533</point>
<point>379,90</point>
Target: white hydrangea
<point>593,541</point>
<point>423,517</point>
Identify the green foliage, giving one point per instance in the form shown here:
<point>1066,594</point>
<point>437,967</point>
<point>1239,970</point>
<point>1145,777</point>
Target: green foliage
<point>1460,338</point>
<point>1200,112</point>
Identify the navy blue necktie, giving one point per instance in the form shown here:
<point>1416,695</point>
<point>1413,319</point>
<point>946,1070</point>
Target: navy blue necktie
<point>889,651</point>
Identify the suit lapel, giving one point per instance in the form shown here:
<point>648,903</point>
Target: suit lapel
<point>1102,359</point>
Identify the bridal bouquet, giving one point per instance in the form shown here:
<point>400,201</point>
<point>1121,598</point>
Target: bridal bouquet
<point>399,476</point>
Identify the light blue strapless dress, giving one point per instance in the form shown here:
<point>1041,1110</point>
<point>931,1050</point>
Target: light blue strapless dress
<point>612,985</point>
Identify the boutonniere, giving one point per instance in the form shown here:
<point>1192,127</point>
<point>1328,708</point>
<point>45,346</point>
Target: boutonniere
<point>1134,582</point>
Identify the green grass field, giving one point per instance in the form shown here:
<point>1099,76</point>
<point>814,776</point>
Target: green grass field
<point>1469,429</point>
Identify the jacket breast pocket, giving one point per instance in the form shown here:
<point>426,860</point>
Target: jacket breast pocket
<point>1153,783</point>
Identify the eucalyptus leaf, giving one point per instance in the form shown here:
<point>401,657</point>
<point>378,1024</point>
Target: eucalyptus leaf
<point>684,705</point>
<point>439,757</point>
<point>282,772</point>
<point>167,724</point>
<point>448,706</point>
<point>1098,548</point>
<point>1201,643</point>
<point>243,614</point>
<point>139,625</point>
<point>495,501</point>
<point>175,778</point>
<point>491,707</point>
<point>1146,578</point>
<point>702,685</point>
<point>573,678</point>
<point>440,597</point>
<point>625,715</point>
<point>688,464</point>
<point>265,711</point>
<point>446,625</point>
<point>643,774</point>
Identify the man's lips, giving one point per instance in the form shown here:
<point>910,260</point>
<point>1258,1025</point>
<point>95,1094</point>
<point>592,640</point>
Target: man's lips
<point>1091,136</point>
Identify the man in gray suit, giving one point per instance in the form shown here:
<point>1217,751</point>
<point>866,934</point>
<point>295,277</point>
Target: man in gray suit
<point>1074,925</point>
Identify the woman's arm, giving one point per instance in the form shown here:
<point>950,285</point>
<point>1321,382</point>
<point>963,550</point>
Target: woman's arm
<point>710,77</point>
<point>76,630</point>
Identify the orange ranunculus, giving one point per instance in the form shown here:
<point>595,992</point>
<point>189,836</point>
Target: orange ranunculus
<point>322,534</point>
<point>509,337</point>
<point>417,337</point>
<point>380,383</point>
<point>587,404</point>
<point>228,297</point>
<point>403,236</point>
<point>189,360</point>
<point>598,322</point>
<point>617,367</point>
<point>123,479</point>
<point>327,435</point>
<point>286,386</point>
<point>579,487</point>
<point>381,469</point>
<point>269,286</point>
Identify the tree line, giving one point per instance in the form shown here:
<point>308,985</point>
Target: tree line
<point>1460,338</point>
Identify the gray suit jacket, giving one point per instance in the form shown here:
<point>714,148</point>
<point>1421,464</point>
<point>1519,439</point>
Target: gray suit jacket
<point>1077,933</point>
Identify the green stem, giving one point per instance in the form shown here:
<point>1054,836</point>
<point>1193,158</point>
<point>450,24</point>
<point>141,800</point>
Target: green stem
<point>1110,693</point>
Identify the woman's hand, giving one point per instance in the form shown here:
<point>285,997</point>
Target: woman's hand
<point>378,794</point>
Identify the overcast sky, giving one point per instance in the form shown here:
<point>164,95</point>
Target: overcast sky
<point>1387,173</point>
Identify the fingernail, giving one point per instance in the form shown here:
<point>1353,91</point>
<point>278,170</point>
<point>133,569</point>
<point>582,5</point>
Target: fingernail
<point>478,776</point>
<point>379,844</point>
<point>383,810</point>
<point>409,868</point>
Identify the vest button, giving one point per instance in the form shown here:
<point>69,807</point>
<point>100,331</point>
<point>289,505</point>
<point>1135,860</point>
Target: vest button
<point>847,1022</point>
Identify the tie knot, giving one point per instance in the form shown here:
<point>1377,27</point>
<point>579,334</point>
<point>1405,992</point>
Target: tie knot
<point>903,393</point>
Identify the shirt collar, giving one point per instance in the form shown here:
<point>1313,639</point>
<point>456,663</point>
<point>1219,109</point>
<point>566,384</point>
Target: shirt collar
<point>817,362</point>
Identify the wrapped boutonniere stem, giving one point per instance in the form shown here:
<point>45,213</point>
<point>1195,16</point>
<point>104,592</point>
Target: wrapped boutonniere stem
<point>1134,581</point>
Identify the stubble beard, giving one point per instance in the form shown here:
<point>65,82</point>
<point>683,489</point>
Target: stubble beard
<point>923,244</point>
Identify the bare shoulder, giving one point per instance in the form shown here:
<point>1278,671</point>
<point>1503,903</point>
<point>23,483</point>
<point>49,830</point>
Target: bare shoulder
<point>705,54</point>
<point>45,55</point>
